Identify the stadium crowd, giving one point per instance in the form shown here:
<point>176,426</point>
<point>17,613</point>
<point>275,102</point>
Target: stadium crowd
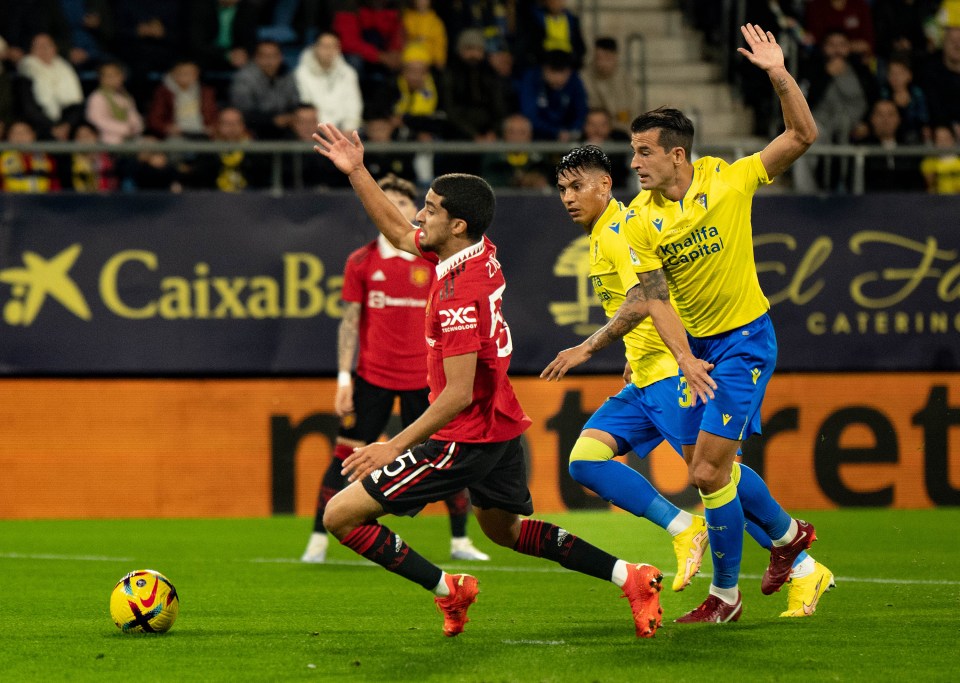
<point>883,73</point>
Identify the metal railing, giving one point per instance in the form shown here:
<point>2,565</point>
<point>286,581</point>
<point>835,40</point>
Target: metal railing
<point>855,155</point>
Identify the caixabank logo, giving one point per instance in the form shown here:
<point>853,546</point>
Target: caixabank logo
<point>39,279</point>
<point>135,284</point>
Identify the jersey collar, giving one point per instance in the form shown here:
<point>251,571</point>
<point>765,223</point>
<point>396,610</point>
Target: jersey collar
<point>452,262</point>
<point>612,209</point>
<point>387,250</point>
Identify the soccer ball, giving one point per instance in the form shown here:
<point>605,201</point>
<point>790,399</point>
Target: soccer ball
<point>144,601</point>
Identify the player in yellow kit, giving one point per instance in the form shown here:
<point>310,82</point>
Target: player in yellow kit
<point>646,411</point>
<point>693,230</point>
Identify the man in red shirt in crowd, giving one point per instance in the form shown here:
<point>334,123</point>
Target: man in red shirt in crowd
<point>384,297</point>
<point>471,433</point>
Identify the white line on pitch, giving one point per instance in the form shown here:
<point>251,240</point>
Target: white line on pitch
<point>482,567</point>
<point>78,558</point>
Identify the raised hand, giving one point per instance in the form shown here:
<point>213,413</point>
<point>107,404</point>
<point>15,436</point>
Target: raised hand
<point>345,153</point>
<point>764,51</point>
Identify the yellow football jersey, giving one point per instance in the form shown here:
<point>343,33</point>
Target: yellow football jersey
<point>613,272</point>
<point>704,243</point>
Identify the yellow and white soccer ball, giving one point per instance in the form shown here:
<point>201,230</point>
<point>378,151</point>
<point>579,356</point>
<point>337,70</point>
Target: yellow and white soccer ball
<point>144,601</point>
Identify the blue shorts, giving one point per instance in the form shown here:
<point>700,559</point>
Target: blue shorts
<point>743,361</point>
<point>639,419</point>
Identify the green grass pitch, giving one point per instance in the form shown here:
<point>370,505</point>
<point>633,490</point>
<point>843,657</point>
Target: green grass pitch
<point>250,611</point>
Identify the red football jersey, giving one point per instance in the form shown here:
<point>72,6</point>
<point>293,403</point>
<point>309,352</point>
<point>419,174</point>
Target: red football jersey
<point>464,316</point>
<point>392,288</point>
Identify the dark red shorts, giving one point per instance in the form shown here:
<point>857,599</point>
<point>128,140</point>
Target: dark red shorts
<point>494,473</point>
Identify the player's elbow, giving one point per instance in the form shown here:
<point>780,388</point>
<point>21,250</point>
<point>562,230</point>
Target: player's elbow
<point>804,136</point>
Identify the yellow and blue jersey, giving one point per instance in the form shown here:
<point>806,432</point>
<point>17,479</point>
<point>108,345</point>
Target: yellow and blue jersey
<point>613,272</point>
<point>704,243</point>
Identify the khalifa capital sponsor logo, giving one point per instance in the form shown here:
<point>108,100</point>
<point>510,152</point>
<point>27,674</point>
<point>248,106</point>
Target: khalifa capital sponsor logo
<point>698,243</point>
<point>39,279</point>
<point>301,290</point>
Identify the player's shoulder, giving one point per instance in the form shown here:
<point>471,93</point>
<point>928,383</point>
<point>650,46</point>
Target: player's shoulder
<point>359,256</point>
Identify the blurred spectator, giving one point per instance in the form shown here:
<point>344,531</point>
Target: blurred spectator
<point>7,99</point>
<point>111,109</point>
<point>496,19</point>
<point>309,169</point>
<point>520,168</point>
<point>942,173</point>
<point>153,169</point>
<point>182,106</point>
<point>552,97</point>
<point>233,170</point>
<point>54,101</point>
<point>423,27</point>
<point>910,101</point>
<point>852,18</point>
<point>90,171</point>
<point>26,172</point>
<point>325,80</point>
<point>265,92</point>
<point>371,36</point>
<point>419,99</point>
<point>899,26</point>
<point>942,82</point>
<point>22,20</point>
<point>888,172</point>
<point>382,127</point>
<point>598,130</point>
<point>608,87</point>
<point>147,41</point>
<point>472,92</point>
<point>553,27</point>
<point>220,33</point>
<point>841,90</point>
<point>92,31</point>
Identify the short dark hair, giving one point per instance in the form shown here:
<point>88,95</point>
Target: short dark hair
<point>605,43</point>
<point>676,130</point>
<point>586,158</point>
<point>469,198</point>
<point>557,60</point>
<point>392,183</point>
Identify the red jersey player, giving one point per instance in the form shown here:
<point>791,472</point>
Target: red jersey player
<point>384,297</point>
<point>471,433</point>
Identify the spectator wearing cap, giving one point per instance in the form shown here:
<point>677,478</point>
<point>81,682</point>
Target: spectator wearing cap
<point>418,104</point>
<point>553,98</point>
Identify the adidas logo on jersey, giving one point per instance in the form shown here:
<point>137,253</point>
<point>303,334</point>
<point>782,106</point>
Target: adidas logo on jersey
<point>378,276</point>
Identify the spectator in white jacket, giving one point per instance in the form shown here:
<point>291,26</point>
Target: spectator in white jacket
<point>57,94</point>
<point>325,80</point>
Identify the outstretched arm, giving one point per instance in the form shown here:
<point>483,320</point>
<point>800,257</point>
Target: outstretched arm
<point>455,397</point>
<point>800,128</point>
<point>630,314</point>
<point>347,155</point>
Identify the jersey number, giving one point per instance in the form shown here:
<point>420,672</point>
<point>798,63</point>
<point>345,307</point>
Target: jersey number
<point>499,330</point>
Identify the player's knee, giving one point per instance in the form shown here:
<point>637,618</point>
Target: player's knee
<point>501,529</point>
<point>708,477</point>
<point>338,519</point>
<point>585,472</point>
